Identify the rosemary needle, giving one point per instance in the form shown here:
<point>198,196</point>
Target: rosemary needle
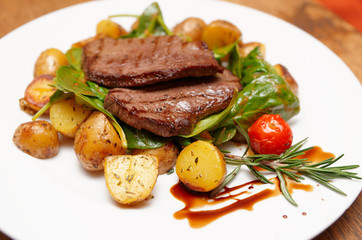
<point>286,165</point>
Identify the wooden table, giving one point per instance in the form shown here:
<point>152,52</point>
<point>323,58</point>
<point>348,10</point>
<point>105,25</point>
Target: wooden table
<point>308,15</point>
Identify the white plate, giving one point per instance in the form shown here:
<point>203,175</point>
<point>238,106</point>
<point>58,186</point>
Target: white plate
<point>57,199</point>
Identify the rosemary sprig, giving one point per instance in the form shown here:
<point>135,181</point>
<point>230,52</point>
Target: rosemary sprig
<point>286,165</point>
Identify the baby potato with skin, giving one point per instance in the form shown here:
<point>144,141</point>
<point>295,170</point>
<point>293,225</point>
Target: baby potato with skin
<point>49,61</point>
<point>111,29</point>
<point>190,29</point>
<point>201,166</point>
<point>37,138</point>
<point>220,33</point>
<point>96,139</point>
<point>38,92</point>
<point>166,155</point>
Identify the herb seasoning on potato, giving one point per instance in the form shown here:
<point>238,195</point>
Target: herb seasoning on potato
<point>37,138</point>
<point>95,140</point>
<point>201,166</point>
<point>103,71</point>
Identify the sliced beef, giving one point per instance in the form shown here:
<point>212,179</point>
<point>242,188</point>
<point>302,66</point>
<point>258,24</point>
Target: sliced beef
<point>172,108</point>
<point>143,61</point>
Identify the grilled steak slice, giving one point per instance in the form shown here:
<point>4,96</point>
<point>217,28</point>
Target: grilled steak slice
<point>144,61</point>
<point>172,108</point>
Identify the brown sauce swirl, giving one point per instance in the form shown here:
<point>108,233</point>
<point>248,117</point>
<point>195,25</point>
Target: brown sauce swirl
<point>240,199</point>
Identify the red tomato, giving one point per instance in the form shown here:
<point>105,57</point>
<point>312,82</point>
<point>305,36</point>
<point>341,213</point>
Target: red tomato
<point>270,134</point>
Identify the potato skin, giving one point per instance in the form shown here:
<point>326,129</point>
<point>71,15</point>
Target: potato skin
<point>95,139</point>
<point>220,33</point>
<point>285,74</point>
<point>24,106</point>
<point>38,92</point>
<point>49,61</point>
<point>66,116</point>
<point>37,138</point>
<point>167,155</point>
<point>190,29</point>
<point>201,166</point>
<point>109,28</point>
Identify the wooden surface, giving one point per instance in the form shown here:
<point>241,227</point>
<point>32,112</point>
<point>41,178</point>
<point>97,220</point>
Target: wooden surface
<point>308,15</point>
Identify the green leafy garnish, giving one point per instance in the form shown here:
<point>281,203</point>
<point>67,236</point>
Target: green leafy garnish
<point>150,22</point>
<point>211,120</point>
<point>264,92</point>
<point>287,165</point>
<point>141,139</point>
<point>74,58</point>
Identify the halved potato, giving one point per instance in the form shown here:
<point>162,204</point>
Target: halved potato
<point>96,139</point>
<point>49,61</point>
<point>190,29</point>
<point>201,166</point>
<point>166,155</point>
<point>220,33</point>
<point>66,116</point>
<point>38,92</point>
<point>130,179</point>
<point>37,138</point>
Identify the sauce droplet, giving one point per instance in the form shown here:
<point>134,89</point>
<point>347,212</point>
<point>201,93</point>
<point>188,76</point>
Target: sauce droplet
<point>195,202</point>
<point>197,205</point>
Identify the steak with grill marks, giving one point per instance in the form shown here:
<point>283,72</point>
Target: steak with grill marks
<point>135,62</point>
<point>172,108</point>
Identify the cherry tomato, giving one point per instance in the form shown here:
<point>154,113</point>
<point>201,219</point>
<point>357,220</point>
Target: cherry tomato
<point>270,134</point>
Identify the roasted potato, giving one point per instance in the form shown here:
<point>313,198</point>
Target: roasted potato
<point>111,29</point>
<point>190,29</point>
<point>166,156</point>
<point>66,116</point>
<point>49,61</point>
<point>201,166</point>
<point>24,106</point>
<point>37,138</point>
<point>285,74</point>
<point>246,48</point>
<point>38,92</point>
<point>220,33</point>
<point>95,139</point>
<point>130,179</point>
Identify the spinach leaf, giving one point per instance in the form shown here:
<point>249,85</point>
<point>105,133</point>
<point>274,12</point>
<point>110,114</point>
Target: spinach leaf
<point>74,58</point>
<point>264,92</point>
<point>140,139</point>
<point>220,53</point>
<point>150,22</point>
<point>70,80</point>
<point>236,62</point>
<point>255,66</point>
<point>224,134</point>
<point>212,120</point>
<point>99,91</point>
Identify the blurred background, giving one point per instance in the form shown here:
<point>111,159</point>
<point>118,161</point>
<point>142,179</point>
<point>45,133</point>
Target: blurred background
<point>336,23</point>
